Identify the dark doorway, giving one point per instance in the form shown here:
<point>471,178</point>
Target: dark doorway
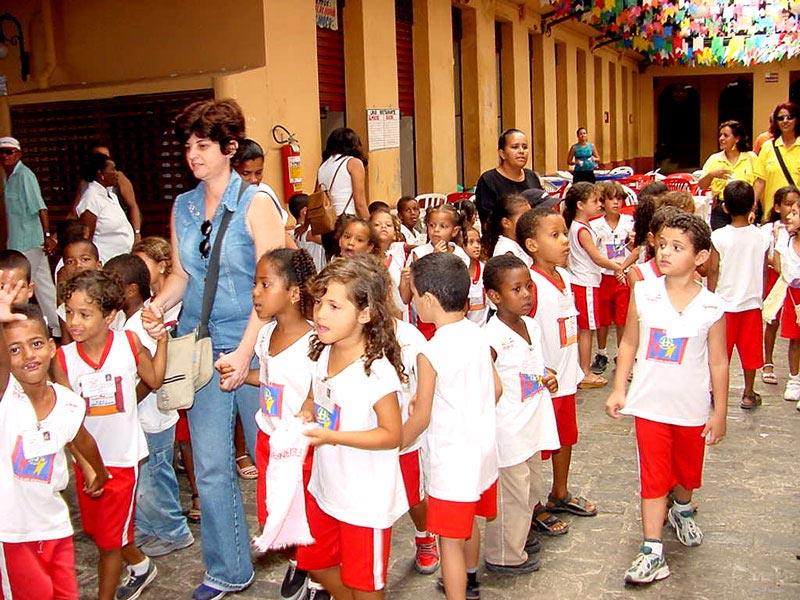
<point>678,146</point>
<point>736,104</point>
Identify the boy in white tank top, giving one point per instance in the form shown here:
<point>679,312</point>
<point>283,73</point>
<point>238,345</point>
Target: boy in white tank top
<point>676,330</point>
<point>37,420</point>
<point>457,388</point>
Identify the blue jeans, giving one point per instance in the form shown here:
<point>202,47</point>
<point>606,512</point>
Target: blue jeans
<point>223,527</point>
<point>158,506</point>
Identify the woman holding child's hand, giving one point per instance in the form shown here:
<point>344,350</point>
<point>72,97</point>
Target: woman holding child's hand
<point>211,132</point>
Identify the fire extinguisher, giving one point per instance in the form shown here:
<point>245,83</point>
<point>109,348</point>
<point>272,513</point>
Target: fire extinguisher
<point>291,166</point>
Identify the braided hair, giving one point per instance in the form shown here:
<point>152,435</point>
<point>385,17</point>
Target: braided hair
<point>296,267</point>
<point>364,277</point>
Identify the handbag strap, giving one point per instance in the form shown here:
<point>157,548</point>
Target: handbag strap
<point>212,275</point>
<point>783,166</point>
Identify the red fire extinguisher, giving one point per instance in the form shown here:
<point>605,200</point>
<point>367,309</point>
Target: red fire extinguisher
<point>291,166</point>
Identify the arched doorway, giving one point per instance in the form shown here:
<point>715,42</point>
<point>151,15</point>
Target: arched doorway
<point>794,91</point>
<point>736,104</point>
<point>678,146</point>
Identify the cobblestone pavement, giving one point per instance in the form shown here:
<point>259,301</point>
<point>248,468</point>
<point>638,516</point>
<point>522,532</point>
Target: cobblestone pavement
<point>746,508</point>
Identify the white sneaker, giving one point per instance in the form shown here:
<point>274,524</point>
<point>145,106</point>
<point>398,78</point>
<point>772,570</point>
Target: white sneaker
<point>792,391</point>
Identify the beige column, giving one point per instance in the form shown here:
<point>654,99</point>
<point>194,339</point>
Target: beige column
<point>767,95</point>
<point>645,122</point>
<point>617,128</point>
<point>370,56</point>
<point>602,96</point>
<point>567,91</point>
<point>516,76</point>
<point>587,83</point>
<point>544,99</point>
<point>434,92</point>
<point>479,90</point>
<point>283,92</point>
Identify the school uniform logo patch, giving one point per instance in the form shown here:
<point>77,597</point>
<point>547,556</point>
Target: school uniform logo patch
<point>615,250</point>
<point>272,399</point>
<point>568,331</point>
<point>663,348</point>
<point>530,385</point>
<point>38,469</point>
<point>328,418</point>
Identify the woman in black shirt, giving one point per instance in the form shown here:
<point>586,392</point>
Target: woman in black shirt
<point>509,177</point>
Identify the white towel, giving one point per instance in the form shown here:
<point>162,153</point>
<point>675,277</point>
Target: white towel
<point>286,524</point>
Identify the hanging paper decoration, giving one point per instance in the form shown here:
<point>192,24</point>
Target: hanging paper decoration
<point>694,32</point>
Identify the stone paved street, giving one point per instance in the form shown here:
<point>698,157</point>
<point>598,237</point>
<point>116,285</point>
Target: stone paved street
<point>747,510</point>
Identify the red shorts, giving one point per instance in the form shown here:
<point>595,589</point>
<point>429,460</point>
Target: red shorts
<point>587,301</point>
<point>614,299</point>
<point>43,569</point>
<point>566,419</point>
<point>262,461</point>
<point>668,455</point>
<point>745,330</point>
<point>108,519</point>
<point>410,468</point>
<point>362,553</point>
<point>789,327</point>
<point>454,519</point>
<point>182,428</point>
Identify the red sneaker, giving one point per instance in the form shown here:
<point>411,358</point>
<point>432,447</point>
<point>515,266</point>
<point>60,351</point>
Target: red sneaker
<point>426,560</point>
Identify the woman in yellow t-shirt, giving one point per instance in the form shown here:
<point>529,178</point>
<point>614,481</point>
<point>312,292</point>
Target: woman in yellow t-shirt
<point>769,174</point>
<point>732,162</point>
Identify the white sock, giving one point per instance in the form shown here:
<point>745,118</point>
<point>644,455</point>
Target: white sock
<point>420,534</point>
<point>656,546</point>
<point>601,351</point>
<point>140,568</point>
<point>680,507</point>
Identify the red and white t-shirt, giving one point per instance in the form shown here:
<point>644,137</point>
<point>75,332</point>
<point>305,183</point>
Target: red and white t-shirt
<point>33,466</point>
<point>583,269</point>
<point>526,422</point>
<point>478,302</point>
<point>411,343</point>
<point>360,487</point>
<point>506,245</point>
<point>459,452</point>
<point>613,241</point>
<point>284,379</point>
<point>671,375</point>
<point>109,390</point>
<point>557,317</point>
<point>426,249</point>
<point>646,271</point>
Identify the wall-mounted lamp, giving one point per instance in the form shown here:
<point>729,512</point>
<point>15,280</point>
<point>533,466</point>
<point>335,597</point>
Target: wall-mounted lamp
<point>14,40</point>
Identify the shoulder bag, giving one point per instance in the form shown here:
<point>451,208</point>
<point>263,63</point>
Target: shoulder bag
<point>783,166</point>
<point>190,357</point>
<point>320,211</point>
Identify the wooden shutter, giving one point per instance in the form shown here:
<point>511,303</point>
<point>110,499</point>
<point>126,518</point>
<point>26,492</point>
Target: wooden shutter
<point>404,18</point>
<point>56,138</point>
<point>330,67</point>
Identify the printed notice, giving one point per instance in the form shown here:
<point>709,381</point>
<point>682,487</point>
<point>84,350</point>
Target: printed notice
<point>383,128</point>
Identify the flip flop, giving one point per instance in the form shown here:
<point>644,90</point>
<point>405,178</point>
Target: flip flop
<point>575,505</point>
<point>248,471</point>
<point>594,383</point>
<point>769,376</point>
<point>546,525</point>
<point>750,401</point>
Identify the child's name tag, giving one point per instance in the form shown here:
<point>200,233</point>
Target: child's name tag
<point>103,393</point>
<point>38,443</point>
<point>323,395</point>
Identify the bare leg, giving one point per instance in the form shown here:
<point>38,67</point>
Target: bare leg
<point>654,511</point>
<point>794,357</point>
<point>132,555</point>
<point>749,381</point>
<point>620,332</point>
<point>561,461</point>
<point>454,568</point>
<point>419,515</point>
<point>331,580</point>
<point>602,337</point>
<point>770,335</point>
<point>109,568</point>
<point>240,446</point>
<point>472,548</point>
<point>681,494</point>
<point>585,355</point>
<point>188,464</point>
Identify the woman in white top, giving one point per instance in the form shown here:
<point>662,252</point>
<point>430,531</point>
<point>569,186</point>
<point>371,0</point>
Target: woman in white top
<point>348,190</point>
<point>104,221</point>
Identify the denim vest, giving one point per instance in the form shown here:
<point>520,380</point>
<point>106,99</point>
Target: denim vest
<point>233,302</point>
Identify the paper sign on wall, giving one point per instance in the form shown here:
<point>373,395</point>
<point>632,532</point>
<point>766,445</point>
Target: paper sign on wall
<point>383,128</point>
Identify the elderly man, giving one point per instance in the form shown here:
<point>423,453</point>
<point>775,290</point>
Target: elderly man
<point>28,226</point>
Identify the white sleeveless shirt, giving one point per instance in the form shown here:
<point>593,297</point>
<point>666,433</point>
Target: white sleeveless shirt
<point>342,189</point>
<point>583,269</point>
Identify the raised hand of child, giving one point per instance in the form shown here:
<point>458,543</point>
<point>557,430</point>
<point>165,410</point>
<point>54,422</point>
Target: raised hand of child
<point>8,292</point>
<point>440,246</point>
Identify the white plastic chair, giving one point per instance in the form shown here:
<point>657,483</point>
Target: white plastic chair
<point>427,201</point>
<point>631,199</point>
<point>621,170</point>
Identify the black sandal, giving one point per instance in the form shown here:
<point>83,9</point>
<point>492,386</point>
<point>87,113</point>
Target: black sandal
<point>576,505</point>
<point>750,401</point>
<point>547,525</point>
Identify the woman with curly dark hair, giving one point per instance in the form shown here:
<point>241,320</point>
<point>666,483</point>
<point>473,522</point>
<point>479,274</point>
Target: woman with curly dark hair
<point>211,132</point>
<point>356,490</point>
<point>770,175</point>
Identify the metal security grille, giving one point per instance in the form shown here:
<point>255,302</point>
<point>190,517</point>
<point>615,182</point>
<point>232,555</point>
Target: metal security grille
<point>56,138</point>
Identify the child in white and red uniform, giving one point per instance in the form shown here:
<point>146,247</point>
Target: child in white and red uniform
<point>613,229</point>
<point>676,330</point>
<point>736,273</point>
<point>105,366</point>
<point>356,489</point>
<point>585,262</point>
<point>37,420</point>
<point>545,237</point>
<point>281,298</point>
<point>457,388</point>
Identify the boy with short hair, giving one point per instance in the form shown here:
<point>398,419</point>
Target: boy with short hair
<point>17,266</point>
<point>408,214</point>
<point>457,388</point>
<point>676,330</point>
<point>37,420</point>
<point>735,272</point>
<point>79,255</point>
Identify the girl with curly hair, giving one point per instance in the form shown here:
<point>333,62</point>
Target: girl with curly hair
<point>356,489</point>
